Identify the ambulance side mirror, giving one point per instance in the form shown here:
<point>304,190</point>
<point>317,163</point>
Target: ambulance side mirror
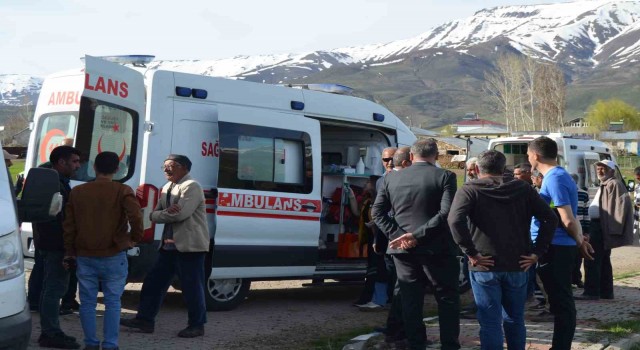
<point>631,185</point>
<point>41,199</point>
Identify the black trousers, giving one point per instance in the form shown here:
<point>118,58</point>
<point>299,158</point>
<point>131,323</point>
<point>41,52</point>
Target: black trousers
<point>554,270</point>
<point>443,272</point>
<point>598,272</point>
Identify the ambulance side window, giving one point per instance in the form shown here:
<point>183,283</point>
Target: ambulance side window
<point>264,159</point>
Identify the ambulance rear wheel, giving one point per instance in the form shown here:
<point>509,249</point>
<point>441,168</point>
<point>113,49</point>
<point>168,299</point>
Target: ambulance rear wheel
<point>225,294</point>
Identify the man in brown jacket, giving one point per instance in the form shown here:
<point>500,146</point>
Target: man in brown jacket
<point>96,240</point>
<point>611,214</point>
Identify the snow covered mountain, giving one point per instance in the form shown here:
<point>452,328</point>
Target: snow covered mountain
<point>584,37</point>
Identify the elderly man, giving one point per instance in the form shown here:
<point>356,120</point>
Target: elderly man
<point>471,168</point>
<point>500,252</point>
<point>185,242</point>
<point>611,213</point>
<point>420,197</point>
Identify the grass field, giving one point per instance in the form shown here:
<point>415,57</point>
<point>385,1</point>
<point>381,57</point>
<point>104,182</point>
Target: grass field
<point>16,168</point>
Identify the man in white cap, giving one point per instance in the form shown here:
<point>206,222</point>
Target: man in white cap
<point>7,158</point>
<point>611,214</point>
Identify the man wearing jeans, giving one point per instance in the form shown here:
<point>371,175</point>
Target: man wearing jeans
<point>96,237</point>
<point>555,267</point>
<point>499,251</point>
<point>185,242</point>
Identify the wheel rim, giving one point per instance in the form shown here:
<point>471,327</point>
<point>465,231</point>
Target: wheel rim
<point>224,290</point>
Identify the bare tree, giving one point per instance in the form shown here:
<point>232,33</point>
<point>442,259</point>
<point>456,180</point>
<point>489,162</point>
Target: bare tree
<point>532,95</point>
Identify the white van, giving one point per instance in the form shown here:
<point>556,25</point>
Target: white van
<point>576,155</point>
<point>272,152</point>
<point>15,318</point>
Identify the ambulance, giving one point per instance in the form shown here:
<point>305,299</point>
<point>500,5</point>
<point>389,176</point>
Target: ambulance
<point>577,155</point>
<point>271,153</point>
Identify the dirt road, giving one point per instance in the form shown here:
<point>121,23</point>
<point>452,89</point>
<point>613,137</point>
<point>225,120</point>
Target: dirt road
<point>276,315</point>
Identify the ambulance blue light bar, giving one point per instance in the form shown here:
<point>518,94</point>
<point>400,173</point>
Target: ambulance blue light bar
<point>378,117</point>
<point>199,93</point>
<point>183,91</point>
<point>297,105</point>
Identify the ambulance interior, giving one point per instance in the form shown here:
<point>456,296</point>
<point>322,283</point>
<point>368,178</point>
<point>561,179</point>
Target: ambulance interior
<point>342,149</point>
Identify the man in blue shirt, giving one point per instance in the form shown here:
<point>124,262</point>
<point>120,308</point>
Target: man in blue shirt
<point>555,267</point>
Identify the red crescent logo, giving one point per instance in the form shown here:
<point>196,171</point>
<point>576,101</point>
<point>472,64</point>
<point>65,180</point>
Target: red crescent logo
<point>124,148</point>
<point>44,155</point>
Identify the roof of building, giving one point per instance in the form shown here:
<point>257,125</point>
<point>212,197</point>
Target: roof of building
<point>477,144</point>
<point>477,122</point>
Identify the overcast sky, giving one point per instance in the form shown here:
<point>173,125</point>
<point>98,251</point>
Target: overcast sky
<point>39,37</point>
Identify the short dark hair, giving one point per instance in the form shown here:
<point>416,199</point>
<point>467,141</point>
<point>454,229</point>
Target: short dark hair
<point>107,163</point>
<point>62,152</point>
<point>545,147</point>
<point>491,162</point>
<point>636,171</point>
<point>523,166</point>
<point>425,148</point>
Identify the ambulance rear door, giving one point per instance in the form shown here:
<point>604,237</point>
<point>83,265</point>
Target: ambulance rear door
<point>111,116</point>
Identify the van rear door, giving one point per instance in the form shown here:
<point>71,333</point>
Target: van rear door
<point>112,110</point>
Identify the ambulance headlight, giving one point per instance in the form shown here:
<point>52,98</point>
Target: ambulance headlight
<point>11,262</point>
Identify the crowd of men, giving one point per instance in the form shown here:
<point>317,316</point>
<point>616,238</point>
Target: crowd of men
<point>421,222</point>
<point>88,240</point>
<point>547,225</point>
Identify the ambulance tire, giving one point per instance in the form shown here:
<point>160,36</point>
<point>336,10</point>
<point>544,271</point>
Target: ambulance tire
<point>225,294</point>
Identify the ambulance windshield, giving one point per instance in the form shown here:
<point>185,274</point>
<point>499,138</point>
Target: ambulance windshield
<point>99,127</point>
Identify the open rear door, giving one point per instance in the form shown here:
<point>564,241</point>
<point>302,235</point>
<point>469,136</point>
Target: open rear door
<point>112,110</point>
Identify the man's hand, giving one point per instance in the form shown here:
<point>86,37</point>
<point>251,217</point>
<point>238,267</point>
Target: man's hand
<point>483,263</point>
<point>406,241</point>
<point>173,209</point>
<point>586,250</point>
<point>69,262</point>
<point>528,261</point>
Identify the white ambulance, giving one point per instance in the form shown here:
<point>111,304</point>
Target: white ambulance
<point>272,152</point>
<point>576,155</point>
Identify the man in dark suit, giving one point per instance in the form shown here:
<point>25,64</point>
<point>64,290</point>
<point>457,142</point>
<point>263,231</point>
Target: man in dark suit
<point>421,243</point>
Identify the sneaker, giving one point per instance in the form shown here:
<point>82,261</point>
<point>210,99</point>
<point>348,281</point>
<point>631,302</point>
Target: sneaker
<point>58,341</point>
<point>191,332</point>
<point>542,316</point>
<point>142,325</point>
<point>371,306</point>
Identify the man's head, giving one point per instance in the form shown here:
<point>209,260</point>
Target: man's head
<point>65,160</point>
<point>522,172</point>
<point>636,173</point>
<point>542,150</point>
<point>424,150</point>
<point>175,167</point>
<point>491,163</point>
<point>605,169</point>
<point>471,168</point>
<point>387,158</point>
<point>401,159</point>
<point>536,178</point>
<point>8,157</point>
<point>106,163</point>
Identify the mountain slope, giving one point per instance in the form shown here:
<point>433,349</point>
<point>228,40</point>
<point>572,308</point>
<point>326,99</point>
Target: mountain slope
<point>438,75</point>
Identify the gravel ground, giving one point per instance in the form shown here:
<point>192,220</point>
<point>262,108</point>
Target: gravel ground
<point>276,315</point>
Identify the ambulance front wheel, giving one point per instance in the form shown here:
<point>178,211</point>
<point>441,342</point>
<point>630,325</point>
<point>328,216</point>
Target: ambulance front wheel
<point>225,294</point>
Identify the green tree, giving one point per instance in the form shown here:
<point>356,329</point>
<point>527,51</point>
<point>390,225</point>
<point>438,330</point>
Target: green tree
<point>601,113</point>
